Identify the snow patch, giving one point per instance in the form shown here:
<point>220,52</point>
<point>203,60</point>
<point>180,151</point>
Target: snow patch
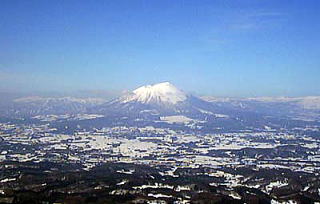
<point>176,119</point>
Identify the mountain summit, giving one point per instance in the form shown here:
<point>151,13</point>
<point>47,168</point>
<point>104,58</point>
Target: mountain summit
<point>161,93</point>
<point>157,99</point>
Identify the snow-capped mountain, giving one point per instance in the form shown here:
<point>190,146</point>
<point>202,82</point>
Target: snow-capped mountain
<point>162,93</point>
<point>158,99</point>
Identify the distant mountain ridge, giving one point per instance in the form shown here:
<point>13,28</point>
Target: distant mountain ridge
<point>308,102</point>
<point>163,99</point>
<point>36,105</point>
<point>37,99</point>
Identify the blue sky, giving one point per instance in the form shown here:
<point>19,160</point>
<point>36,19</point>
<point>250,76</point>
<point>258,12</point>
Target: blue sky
<point>214,47</point>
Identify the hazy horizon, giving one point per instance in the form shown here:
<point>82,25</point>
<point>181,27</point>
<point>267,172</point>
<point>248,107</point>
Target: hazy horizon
<point>112,94</point>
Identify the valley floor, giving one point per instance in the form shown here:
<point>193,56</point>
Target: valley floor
<point>148,164</point>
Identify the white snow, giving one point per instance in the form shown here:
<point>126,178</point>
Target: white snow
<point>156,185</point>
<point>176,119</point>
<point>235,195</point>
<point>272,166</point>
<point>211,113</point>
<point>159,195</point>
<point>275,184</point>
<point>157,93</point>
<point>7,180</point>
<point>122,182</point>
<point>131,171</point>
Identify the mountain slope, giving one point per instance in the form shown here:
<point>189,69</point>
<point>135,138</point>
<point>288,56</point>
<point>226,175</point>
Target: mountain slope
<point>158,99</point>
